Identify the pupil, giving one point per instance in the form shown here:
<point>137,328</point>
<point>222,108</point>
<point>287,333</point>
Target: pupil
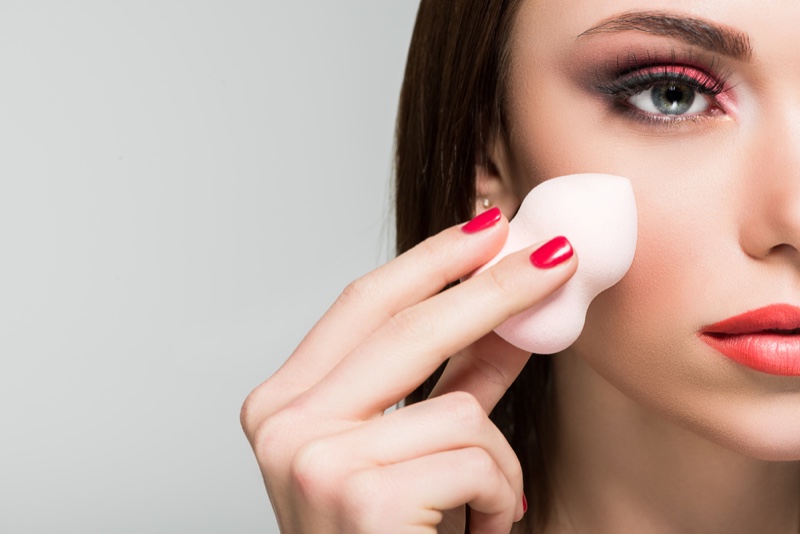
<point>672,99</point>
<point>674,94</point>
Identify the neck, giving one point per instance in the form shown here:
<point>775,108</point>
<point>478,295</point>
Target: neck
<point>621,468</point>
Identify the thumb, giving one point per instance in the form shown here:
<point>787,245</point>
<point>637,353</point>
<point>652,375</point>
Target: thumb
<point>486,369</point>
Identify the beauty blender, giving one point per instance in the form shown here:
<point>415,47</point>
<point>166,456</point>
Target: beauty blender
<point>597,213</point>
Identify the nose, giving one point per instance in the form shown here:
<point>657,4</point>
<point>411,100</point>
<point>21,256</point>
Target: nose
<point>770,213</point>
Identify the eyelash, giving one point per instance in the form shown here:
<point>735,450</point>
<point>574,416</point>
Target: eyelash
<point>634,81</point>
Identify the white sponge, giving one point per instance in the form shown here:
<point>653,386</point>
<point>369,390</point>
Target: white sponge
<point>597,214</point>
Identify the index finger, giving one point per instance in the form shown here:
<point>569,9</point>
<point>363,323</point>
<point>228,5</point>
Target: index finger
<point>408,348</point>
<point>373,299</point>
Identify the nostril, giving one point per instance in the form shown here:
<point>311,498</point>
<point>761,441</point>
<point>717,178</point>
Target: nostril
<point>784,248</point>
<point>786,252</point>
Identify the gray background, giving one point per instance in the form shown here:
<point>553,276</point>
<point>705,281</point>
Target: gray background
<point>185,186</point>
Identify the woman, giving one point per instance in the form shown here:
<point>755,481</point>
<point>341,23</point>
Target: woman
<point>674,411</point>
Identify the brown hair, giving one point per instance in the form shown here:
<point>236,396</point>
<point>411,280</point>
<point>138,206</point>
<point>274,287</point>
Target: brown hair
<point>452,99</point>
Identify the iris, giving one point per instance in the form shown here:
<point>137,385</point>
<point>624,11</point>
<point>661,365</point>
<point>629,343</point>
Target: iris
<point>672,99</point>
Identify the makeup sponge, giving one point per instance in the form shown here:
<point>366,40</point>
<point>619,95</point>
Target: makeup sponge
<point>597,213</point>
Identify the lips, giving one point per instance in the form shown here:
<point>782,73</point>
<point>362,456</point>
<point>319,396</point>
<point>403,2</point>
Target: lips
<point>765,339</point>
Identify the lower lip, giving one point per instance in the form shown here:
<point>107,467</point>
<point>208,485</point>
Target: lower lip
<point>774,354</point>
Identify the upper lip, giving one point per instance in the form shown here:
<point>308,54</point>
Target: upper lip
<point>782,317</point>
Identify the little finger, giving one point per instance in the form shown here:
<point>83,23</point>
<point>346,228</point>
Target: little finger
<point>416,492</point>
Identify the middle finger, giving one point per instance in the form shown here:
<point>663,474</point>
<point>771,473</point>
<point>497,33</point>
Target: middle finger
<point>407,349</point>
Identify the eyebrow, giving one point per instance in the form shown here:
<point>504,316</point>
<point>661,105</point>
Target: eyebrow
<point>713,37</point>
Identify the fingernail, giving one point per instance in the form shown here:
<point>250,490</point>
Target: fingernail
<point>524,504</point>
<point>556,251</point>
<point>483,221</point>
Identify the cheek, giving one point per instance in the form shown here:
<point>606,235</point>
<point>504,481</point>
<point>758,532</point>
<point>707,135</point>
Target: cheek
<point>687,241</point>
<point>681,230</point>
<point>685,187</point>
<point>637,330</point>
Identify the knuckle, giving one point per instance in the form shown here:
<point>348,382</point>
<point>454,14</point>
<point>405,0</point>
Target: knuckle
<point>489,370</point>
<point>503,281</point>
<point>510,499</point>
<point>263,401</point>
<point>482,463</point>
<point>428,247</point>
<point>412,325</point>
<point>251,410</point>
<point>466,410</point>
<point>274,438</point>
<point>516,472</point>
<point>267,444</point>
<point>246,417</point>
<point>360,290</point>
<point>437,257</point>
<point>267,432</point>
<point>310,470</point>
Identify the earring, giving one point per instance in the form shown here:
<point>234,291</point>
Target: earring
<point>486,203</point>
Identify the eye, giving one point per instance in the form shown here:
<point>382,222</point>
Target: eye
<point>672,98</point>
<point>665,93</point>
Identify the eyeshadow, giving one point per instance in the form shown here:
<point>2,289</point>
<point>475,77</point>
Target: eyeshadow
<point>607,56</point>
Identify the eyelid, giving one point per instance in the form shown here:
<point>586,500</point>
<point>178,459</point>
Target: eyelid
<point>689,74</point>
<point>637,80</point>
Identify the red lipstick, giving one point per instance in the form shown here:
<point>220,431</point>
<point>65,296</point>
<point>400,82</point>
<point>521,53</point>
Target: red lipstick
<point>766,339</point>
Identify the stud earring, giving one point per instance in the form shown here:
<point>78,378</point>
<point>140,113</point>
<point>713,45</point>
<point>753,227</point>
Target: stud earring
<point>486,202</point>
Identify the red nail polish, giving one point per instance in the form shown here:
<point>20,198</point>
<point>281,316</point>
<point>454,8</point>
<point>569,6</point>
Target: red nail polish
<point>556,251</point>
<point>483,221</point>
<point>524,504</point>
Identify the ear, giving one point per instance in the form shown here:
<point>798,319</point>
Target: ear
<point>494,184</point>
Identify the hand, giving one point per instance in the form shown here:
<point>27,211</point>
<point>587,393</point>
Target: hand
<point>333,462</point>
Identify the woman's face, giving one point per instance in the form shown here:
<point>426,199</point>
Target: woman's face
<point>698,103</point>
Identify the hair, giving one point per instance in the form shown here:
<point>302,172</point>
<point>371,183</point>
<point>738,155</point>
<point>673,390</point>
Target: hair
<point>452,100</point>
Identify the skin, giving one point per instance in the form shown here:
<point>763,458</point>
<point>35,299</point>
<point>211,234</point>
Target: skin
<point>652,420</point>
<point>330,460</point>
<point>657,432</point>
